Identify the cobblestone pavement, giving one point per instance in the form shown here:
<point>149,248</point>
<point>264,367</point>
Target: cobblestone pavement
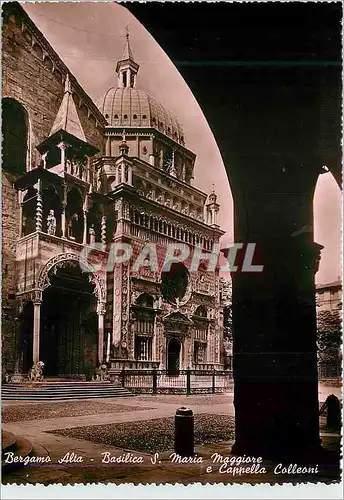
<point>135,467</point>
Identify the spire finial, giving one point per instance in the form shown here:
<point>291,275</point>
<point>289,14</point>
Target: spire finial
<point>67,87</point>
<point>126,67</point>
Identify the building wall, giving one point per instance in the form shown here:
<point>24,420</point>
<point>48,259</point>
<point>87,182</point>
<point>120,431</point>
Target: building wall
<point>32,74</point>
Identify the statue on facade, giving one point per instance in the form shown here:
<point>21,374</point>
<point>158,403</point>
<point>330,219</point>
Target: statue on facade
<point>71,225</point>
<point>36,372</point>
<point>102,373</point>
<point>51,223</point>
<point>92,234</point>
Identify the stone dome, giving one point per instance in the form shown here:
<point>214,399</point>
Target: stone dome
<point>130,107</point>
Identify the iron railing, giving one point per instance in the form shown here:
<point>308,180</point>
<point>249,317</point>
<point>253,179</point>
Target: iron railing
<point>178,381</point>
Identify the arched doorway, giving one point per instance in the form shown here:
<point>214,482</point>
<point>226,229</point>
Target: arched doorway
<point>173,356</point>
<point>25,338</point>
<point>15,136</point>
<point>69,328</point>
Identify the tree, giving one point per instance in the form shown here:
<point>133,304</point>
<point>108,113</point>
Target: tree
<point>329,336</point>
<point>226,304</point>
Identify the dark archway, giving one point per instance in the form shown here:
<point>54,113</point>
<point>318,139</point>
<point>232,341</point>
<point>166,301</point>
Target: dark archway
<point>75,215</point>
<point>15,137</point>
<point>173,356</point>
<point>69,328</point>
<point>174,281</point>
<point>25,338</point>
<point>276,116</point>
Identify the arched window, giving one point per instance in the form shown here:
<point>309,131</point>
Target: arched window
<point>201,312</point>
<point>174,281</point>
<point>144,327</point>
<point>200,335</point>
<point>144,300</point>
<point>15,145</point>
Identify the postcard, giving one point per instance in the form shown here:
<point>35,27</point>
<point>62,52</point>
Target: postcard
<point>171,248</point>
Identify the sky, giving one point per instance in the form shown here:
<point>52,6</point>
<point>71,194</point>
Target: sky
<point>89,38</point>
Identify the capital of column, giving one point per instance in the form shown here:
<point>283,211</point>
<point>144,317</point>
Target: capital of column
<point>63,145</point>
<point>101,308</point>
<point>36,297</point>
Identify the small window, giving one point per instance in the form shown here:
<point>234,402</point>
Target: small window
<point>106,116</point>
<point>135,117</point>
<point>153,120</point>
<point>161,124</point>
<point>116,116</point>
<point>169,129</point>
<point>145,117</point>
<point>125,116</point>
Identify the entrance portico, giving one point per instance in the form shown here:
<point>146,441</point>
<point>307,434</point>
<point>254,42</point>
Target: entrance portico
<point>67,318</point>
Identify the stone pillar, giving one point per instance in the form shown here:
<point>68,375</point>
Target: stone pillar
<point>107,147</point>
<point>39,207</point>
<point>117,175</point>
<point>274,317</point>
<point>101,321</point>
<point>122,172</point>
<point>103,230</point>
<point>63,146</point>
<point>20,201</point>
<point>130,175</point>
<point>63,213</point>
<point>36,329</point>
<point>84,236</point>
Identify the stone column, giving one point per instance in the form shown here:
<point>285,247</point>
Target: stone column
<point>107,147</point>
<point>103,230</point>
<point>130,175</point>
<point>117,175</point>
<point>20,200</point>
<point>84,236</point>
<point>274,317</point>
<point>63,213</point>
<point>101,321</point>
<point>36,328</point>
<point>39,207</point>
<point>122,172</point>
<point>63,146</point>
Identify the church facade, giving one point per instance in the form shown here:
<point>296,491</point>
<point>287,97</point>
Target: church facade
<point>101,223</point>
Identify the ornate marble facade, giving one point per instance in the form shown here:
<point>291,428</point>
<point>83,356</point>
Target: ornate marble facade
<point>133,187</point>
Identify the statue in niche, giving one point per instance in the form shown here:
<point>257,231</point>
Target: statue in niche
<point>51,223</point>
<point>71,225</point>
<point>92,234</point>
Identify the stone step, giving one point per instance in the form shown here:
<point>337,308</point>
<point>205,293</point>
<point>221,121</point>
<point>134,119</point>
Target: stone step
<point>8,439</point>
<point>51,385</point>
<point>18,451</point>
<point>74,391</point>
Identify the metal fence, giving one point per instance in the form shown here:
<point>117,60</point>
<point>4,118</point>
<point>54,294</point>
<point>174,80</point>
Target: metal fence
<point>178,382</point>
<point>329,371</point>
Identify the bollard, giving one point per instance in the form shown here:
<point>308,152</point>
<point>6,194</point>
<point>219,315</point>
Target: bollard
<point>333,420</point>
<point>184,432</point>
<point>213,386</point>
<point>188,382</point>
<point>154,380</point>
